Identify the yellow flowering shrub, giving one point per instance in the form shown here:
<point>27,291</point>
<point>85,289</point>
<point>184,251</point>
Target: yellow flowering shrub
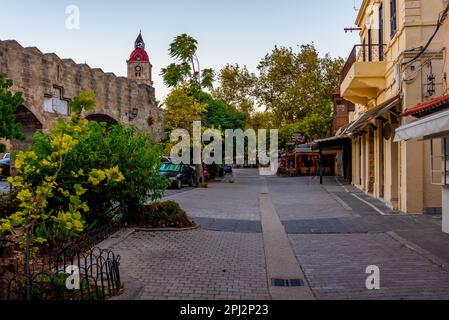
<point>39,181</point>
<point>79,176</point>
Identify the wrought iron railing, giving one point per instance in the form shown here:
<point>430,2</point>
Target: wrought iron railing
<point>97,274</point>
<point>98,271</point>
<point>363,53</point>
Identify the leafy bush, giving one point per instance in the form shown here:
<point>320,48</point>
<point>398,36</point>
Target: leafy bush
<point>161,214</point>
<point>52,203</point>
<point>78,176</point>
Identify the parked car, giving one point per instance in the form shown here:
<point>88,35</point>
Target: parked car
<point>227,169</point>
<point>178,174</point>
<point>167,160</point>
<point>5,166</point>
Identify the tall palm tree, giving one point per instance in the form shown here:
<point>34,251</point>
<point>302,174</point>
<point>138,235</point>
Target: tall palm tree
<point>188,71</point>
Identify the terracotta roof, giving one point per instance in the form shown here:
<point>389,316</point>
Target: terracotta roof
<point>427,107</point>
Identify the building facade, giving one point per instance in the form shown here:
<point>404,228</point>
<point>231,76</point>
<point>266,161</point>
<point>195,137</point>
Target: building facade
<point>48,83</point>
<point>387,72</point>
<point>429,121</point>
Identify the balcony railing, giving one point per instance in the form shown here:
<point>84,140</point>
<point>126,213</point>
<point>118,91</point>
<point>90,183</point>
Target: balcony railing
<point>363,53</point>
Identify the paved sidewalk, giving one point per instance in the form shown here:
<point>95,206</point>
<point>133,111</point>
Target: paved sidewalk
<point>335,249</point>
<point>331,233</point>
<point>335,265</point>
<point>194,265</point>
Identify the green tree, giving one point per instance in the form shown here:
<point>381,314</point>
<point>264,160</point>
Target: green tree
<point>220,115</point>
<point>297,87</point>
<point>237,88</point>
<point>85,101</point>
<point>181,110</point>
<point>262,120</point>
<point>9,103</point>
<point>185,75</point>
<point>187,69</point>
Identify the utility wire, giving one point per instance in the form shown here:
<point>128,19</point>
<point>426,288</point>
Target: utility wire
<point>441,19</point>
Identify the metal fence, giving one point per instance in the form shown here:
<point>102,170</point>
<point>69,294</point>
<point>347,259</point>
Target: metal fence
<point>76,272</point>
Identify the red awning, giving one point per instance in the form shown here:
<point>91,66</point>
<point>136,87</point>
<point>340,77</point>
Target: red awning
<point>427,107</point>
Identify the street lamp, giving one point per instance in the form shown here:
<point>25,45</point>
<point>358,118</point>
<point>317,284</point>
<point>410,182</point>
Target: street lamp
<point>431,84</point>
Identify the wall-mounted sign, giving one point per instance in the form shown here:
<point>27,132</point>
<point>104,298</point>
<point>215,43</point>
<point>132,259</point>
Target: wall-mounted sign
<point>387,131</point>
<point>297,138</point>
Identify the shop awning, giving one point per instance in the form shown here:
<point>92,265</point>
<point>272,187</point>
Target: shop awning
<point>363,120</point>
<point>333,141</point>
<point>428,107</point>
<point>433,126</point>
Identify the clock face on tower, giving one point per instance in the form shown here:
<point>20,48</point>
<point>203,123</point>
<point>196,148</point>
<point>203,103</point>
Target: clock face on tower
<point>138,68</point>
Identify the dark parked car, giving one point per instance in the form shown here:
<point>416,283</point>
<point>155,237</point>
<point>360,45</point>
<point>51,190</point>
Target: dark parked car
<point>178,174</point>
<point>227,169</point>
<point>5,166</point>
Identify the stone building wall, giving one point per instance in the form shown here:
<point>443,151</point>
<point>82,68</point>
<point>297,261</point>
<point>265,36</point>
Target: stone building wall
<point>37,75</point>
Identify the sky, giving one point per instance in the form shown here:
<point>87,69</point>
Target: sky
<point>228,31</point>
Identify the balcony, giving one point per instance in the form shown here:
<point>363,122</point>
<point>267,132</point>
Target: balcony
<point>363,76</point>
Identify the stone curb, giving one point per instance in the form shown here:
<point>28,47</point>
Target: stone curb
<point>166,229</point>
<point>124,233</point>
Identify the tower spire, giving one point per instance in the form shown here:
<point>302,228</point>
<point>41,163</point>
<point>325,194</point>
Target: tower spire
<point>139,44</point>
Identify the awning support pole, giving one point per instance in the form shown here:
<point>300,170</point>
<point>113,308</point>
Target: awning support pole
<point>321,165</point>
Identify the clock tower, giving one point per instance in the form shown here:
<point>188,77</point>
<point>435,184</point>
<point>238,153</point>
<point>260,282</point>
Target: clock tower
<point>139,66</point>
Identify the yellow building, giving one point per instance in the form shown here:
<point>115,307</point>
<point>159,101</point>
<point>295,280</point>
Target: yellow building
<point>390,70</point>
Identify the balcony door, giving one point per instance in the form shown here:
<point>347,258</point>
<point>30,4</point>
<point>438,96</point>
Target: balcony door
<point>381,33</point>
<point>370,45</point>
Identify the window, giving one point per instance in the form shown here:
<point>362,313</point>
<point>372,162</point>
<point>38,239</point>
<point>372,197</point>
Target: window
<point>168,167</point>
<point>364,50</point>
<point>440,161</point>
<point>370,45</point>
<point>393,18</point>
<point>381,33</point>
<point>436,163</point>
<point>445,143</point>
<point>56,104</point>
<point>341,109</point>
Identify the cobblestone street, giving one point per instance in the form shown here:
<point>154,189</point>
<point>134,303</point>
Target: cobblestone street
<point>333,235</point>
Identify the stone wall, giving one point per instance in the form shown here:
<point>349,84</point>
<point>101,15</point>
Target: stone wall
<point>37,74</point>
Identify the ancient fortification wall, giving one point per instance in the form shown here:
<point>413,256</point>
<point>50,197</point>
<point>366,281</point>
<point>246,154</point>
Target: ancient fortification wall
<point>37,75</point>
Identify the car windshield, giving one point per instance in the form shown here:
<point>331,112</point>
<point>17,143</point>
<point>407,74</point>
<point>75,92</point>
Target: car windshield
<point>168,167</point>
<point>7,156</point>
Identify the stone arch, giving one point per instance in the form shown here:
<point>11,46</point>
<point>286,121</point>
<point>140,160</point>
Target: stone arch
<point>101,117</point>
<point>30,125</point>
